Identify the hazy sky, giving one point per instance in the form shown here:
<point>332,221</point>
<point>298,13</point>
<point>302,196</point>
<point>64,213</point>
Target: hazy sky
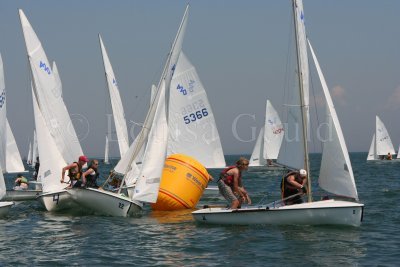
<point>239,48</point>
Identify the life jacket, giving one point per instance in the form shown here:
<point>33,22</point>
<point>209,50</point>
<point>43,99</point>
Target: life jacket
<point>285,185</point>
<point>228,179</point>
<point>24,180</point>
<point>91,178</point>
<point>75,175</point>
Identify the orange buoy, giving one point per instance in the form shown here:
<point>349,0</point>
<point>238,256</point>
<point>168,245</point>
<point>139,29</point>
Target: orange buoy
<point>183,181</point>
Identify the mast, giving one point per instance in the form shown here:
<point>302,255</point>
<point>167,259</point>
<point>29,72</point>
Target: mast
<point>166,77</point>
<point>302,105</point>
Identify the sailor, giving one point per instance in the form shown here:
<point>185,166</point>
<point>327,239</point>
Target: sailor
<point>21,183</point>
<point>230,184</point>
<point>74,171</point>
<point>294,183</point>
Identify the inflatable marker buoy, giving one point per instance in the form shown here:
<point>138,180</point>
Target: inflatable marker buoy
<point>183,181</point>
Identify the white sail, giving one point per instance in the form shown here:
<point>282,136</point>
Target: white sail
<point>29,157</point>
<point>13,157</point>
<point>51,160</point>
<point>106,152</point>
<point>398,152</point>
<point>148,183</point>
<point>384,144</point>
<point>372,150</point>
<point>48,94</point>
<point>191,123</point>
<point>257,156</point>
<point>162,91</point>
<point>116,103</point>
<point>3,117</point>
<point>273,133</point>
<point>336,173</point>
<point>292,153</point>
<point>35,152</point>
<point>57,77</point>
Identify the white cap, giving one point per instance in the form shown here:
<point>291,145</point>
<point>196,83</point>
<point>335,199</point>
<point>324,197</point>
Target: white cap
<point>303,173</point>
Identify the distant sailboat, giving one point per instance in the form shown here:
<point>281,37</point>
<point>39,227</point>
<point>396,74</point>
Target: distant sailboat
<point>381,143</point>
<point>35,153</point>
<point>106,152</point>
<point>266,149</point>
<point>336,174</point>
<point>116,103</point>
<point>13,157</point>
<point>29,157</point>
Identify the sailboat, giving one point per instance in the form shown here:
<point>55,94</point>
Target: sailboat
<point>29,157</point>
<point>266,149</point>
<point>150,148</point>
<point>336,174</point>
<point>4,205</point>
<point>106,161</point>
<point>35,153</point>
<point>116,103</point>
<point>381,143</point>
<point>57,142</point>
<point>13,157</point>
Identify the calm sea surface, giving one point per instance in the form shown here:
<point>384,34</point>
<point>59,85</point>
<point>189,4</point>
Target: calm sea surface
<point>32,236</point>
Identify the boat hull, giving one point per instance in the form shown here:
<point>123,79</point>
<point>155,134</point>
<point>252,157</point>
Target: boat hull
<point>327,212</point>
<point>105,202</point>
<point>57,201</point>
<point>5,207</point>
<point>21,195</point>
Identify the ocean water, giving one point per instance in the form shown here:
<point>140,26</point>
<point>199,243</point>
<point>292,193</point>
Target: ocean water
<point>34,237</point>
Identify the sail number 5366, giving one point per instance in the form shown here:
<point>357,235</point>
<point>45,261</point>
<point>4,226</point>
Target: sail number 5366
<point>195,116</point>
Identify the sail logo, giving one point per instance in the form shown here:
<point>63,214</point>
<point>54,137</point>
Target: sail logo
<point>114,82</point>
<point>43,66</point>
<point>3,98</point>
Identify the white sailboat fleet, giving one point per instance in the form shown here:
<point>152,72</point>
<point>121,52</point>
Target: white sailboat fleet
<point>381,143</point>
<point>56,138</point>
<point>336,175</point>
<point>179,120</point>
<point>266,149</point>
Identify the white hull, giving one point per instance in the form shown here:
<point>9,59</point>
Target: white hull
<point>326,212</point>
<point>21,195</point>
<point>104,202</point>
<point>5,208</point>
<point>56,201</point>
